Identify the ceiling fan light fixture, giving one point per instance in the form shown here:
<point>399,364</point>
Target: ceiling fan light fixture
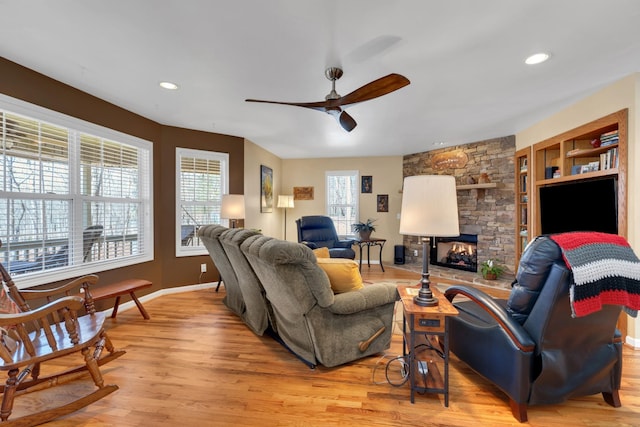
<point>537,58</point>
<point>168,85</point>
<point>334,104</point>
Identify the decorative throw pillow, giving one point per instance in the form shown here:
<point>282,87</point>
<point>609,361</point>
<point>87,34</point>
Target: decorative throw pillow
<point>321,252</point>
<point>343,274</point>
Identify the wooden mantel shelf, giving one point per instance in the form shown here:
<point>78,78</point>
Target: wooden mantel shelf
<point>477,186</point>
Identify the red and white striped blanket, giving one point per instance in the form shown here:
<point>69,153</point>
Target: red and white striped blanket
<point>605,271</point>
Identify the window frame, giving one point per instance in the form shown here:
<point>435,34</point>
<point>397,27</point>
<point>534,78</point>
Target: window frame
<point>355,206</point>
<point>145,196</point>
<point>223,158</point>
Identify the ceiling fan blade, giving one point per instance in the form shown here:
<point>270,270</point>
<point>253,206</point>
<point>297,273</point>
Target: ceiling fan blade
<point>376,88</point>
<point>320,106</point>
<point>347,122</point>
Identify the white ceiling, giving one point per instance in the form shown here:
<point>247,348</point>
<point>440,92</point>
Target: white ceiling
<point>464,59</point>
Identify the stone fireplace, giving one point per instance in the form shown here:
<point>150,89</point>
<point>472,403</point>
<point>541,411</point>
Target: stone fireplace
<point>486,213</point>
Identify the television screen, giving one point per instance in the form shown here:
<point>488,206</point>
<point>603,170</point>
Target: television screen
<point>590,205</point>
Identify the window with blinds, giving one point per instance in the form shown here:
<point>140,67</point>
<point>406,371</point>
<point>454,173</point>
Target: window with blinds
<point>342,199</point>
<point>202,177</point>
<point>72,195</point>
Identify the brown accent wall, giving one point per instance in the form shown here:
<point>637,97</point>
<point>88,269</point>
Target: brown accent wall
<point>186,270</point>
<point>489,210</point>
<point>165,270</point>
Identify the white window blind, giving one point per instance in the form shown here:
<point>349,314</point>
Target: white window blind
<point>202,178</point>
<point>72,195</point>
<point>342,199</point>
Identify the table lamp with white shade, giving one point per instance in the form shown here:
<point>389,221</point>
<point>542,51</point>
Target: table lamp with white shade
<point>232,208</point>
<point>429,209</point>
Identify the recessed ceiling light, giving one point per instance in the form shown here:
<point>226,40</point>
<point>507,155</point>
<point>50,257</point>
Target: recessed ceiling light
<point>169,85</point>
<point>536,58</point>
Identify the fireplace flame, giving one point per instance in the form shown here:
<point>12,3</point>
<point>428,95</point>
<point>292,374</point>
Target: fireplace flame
<point>460,248</point>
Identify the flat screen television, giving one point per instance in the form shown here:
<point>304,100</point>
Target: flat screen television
<point>590,205</point>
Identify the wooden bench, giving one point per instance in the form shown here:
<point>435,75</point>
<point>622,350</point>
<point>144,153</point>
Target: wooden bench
<point>129,286</point>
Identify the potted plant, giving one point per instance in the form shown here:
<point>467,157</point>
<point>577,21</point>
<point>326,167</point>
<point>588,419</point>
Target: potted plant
<point>364,229</point>
<point>491,270</point>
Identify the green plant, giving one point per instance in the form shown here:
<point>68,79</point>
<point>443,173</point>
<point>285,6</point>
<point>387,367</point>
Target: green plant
<point>491,267</point>
<point>364,226</point>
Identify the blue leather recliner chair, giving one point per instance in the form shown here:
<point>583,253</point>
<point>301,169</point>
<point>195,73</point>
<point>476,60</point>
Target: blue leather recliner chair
<point>531,346</point>
<point>317,231</point>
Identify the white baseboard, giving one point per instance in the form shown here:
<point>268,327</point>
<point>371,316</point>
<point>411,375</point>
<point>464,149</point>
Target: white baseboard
<point>633,342</point>
<point>161,292</point>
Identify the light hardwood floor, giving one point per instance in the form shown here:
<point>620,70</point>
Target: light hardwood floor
<point>196,364</point>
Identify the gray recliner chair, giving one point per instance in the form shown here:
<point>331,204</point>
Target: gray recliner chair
<point>257,313</point>
<point>530,346</point>
<point>318,231</point>
<point>209,235</point>
<point>314,323</point>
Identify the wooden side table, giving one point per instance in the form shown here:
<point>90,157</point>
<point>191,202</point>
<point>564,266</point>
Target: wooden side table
<point>368,243</point>
<point>430,323</point>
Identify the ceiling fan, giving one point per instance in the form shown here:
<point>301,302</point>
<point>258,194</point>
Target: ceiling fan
<point>334,104</point>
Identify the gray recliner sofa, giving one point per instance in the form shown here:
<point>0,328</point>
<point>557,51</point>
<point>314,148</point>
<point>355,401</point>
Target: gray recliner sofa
<point>257,313</point>
<point>243,297</point>
<point>313,322</point>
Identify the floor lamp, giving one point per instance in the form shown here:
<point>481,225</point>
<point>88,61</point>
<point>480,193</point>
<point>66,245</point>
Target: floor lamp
<point>232,208</point>
<point>429,208</point>
<point>285,202</point>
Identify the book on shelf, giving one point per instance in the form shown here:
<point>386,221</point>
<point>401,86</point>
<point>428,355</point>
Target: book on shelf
<point>610,133</point>
<point>610,141</point>
<point>609,160</point>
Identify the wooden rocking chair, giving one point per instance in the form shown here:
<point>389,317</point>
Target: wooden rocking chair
<point>49,332</point>
<point>73,288</point>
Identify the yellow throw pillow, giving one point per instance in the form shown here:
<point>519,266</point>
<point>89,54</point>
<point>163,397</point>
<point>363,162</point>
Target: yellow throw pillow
<point>343,273</point>
<point>321,252</point>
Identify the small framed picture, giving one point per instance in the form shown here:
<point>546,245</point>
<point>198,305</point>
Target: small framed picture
<point>383,203</point>
<point>302,193</point>
<point>367,184</point>
<point>266,189</point>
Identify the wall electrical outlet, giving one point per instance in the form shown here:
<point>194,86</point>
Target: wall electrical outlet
<point>203,268</point>
<point>415,252</point>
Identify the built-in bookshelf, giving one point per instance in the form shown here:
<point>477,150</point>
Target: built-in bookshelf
<point>522,205</point>
<point>593,150</point>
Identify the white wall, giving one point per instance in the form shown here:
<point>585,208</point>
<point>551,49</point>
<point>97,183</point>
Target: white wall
<point>269,223</point>
<point>289,173</point>
<point>387,179</point>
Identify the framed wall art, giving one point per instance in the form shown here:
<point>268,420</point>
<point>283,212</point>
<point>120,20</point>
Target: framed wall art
<point>266,189</point>
<point>383,203</point>
<point>302,193</point>
<point>367,184</point>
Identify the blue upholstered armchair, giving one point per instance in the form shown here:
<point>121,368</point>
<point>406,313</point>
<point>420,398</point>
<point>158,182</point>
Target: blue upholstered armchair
<point>317,231</point>
<point>530,346</point>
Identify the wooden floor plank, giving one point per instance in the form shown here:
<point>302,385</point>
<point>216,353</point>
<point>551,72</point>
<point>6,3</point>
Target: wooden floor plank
<point>194,363</point>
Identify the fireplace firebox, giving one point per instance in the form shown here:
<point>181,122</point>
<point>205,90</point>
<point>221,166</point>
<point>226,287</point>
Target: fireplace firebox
<point>455,252</point>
